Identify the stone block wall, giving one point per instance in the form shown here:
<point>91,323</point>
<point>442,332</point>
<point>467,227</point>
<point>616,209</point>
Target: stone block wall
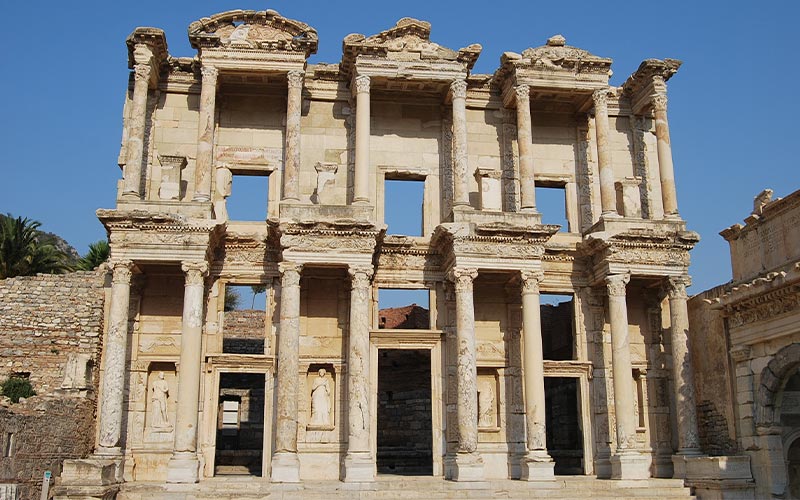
<point>244,331</point>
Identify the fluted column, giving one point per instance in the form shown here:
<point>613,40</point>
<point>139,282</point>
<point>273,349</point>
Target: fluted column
<point>134,149</point>
<point>361,180</point>
<point>184,466</point>
<point>205,135</point>
<point>359,464</point>
<point>608,194</point>
<point>116,343</point>
<point>664,150</point>
<point>626,462</point>
<point>527,187</point>
<point>683,376</point>
<point>468,464</point>
<point>537,464</point>
<point>294,102</point>
<point>460,163</point>
<point>285,464</point>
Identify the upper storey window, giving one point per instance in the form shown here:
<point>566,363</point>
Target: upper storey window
<point>248,197</point>
<point>551,202</point>
<point>403,206</point>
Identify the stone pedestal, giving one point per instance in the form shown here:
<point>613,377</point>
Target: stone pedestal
<point>630,465</point>
<point>285,467</point>
<point>183,467</point>
<point>718,478</point>
<point>490,190</point>
<point>467,467</point>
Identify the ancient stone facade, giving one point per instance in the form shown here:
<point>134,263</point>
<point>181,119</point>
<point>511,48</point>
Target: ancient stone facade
<point>328,137</point>
<point>749,333</point>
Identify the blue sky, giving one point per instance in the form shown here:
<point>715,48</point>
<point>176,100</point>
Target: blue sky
<point>733,105</point>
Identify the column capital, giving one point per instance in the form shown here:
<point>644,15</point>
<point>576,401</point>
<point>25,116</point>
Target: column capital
<point>195,271</point>
<point>360,275</point>
<point>531,280</point>
<point>295,78</point>
<point>676,286</point>
<point>459,89</point>
<point>290,271</point>
<point>121,270</point>
<point>142,72</point>
<point>462,277</point>
<point>209,73</point>
<point>616,284</point>
<point>659,102</point>
<point>362,83</point>
<point>600,98</point>
<point>523,93</point>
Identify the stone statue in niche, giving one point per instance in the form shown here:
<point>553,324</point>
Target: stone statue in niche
<point>224,189</point>
<point>321,400</point>
<point>159,417</point>
<point>76,372</point>
<point>486,405</point>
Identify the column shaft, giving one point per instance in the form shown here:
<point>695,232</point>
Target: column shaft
<point>525,141</point>
<point>683,375</point>
<point>134,148</point>
<point>621,362</point>
<point>205,135</point>
<point>294,102</point>
<point>116,343</point>
<point>361,180</point>
<point>608,194</point>
<point>460,163</point>
<point>664,150</point>
<point>359,465</point>
<point>285,465</point>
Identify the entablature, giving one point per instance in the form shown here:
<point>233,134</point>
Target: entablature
<point>649,80</point>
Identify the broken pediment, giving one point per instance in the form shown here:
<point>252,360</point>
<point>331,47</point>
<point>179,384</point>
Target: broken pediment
<point>408,41</point>
<point>257,30</point>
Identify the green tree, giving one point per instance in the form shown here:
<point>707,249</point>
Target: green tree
<point>23,254</point>
<point>257,290</point>
<point>232,299</point>
<point>98,253</point>
<point>15,387</point>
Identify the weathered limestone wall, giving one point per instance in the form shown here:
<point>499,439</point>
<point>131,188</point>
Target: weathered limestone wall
<point>174,133</point>
<point>323,139</point>
<point>244,331</point>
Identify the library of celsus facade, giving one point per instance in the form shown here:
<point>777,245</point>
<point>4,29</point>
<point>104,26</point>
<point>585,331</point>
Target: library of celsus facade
<point>546,349</point>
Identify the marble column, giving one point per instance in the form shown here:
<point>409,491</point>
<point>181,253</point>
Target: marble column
<point>683,376</point>
<point>115,347</point>
<point>134,148</point>
<point>184,466</point>
<point>627,462</point>
<point>537,464</point>
<point>460,163</point>
<point>205,135</point>
<point>285,464</point>
<point>527,187</point>
<point>664,149</point>
<point>291,170</point>
<point>359,464</point>
<point>468,464</point>
<point>608,193</point>
<point>361,180</point>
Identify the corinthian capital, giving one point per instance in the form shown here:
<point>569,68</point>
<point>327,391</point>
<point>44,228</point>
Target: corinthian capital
<point>290,273</point>
<point>659,102</point>
<point>462,277</point>
<point>360,276</point>
<point>600,98</point>
<point>362,84</point>
<point>531,280</point>
<point>523,93</point>
<point>616,284</point>
<point>210,74</point>
<point>142,73</point>
<point>195,271</point>
<point>121,272</point>
<point>459,89</point>
<point>295,78</point>
<point>676,286</point>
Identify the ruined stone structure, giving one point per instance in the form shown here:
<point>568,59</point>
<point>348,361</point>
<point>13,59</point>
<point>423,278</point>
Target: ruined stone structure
<point>609,378</point>
<point>749,333</point>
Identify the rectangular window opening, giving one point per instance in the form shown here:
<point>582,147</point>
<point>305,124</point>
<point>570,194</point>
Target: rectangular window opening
<point>403,206</point>
<point>401,309</point>
<point>248,198</point>
<point>558,337</point>
<point>551,202</point>
<point>244,320</point>
<point>9,449</point>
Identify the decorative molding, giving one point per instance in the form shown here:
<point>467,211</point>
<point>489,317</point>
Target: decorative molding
<point>531,280</point>
<point>462,278</point>
<point>659,102</point>
<point>362,84</point>
<point>210,74</point>
<point>676,286</point>
<point>195,271</point>
<point>360,276</point>
<point>122,270</point>
<point>459,89</point>
<point>295,79</point>
<point>616,284</point>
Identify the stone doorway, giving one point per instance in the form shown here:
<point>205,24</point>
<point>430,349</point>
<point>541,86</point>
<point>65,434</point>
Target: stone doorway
<point>240,424</point>
<point>404,430</point>
<point>563,421</point>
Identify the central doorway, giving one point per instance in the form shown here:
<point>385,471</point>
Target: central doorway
<point>404,431</point>
<point>240,424</point>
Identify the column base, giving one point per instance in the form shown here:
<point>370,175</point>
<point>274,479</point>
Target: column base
<point>680,462</point>
<point>630,465</point>
<point>285,467</point>
<point>359,467</point>
<point>93,471</point>
<point>201,197</point>
<point>464,467</point>
<point>537,466</point>
<point>183,468</point>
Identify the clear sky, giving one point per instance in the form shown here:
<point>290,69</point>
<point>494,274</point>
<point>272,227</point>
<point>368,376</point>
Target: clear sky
<point>733,106</point>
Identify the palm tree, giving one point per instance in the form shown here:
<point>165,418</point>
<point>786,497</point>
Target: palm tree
<point>21,252</point>
<point>232,299</point>
<point>98,253</point>
<point>256,289</point>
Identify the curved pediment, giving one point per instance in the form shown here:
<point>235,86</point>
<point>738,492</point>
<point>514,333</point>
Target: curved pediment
<point>257,30</point>
<point>557,55</point>
<point>407,41</point>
